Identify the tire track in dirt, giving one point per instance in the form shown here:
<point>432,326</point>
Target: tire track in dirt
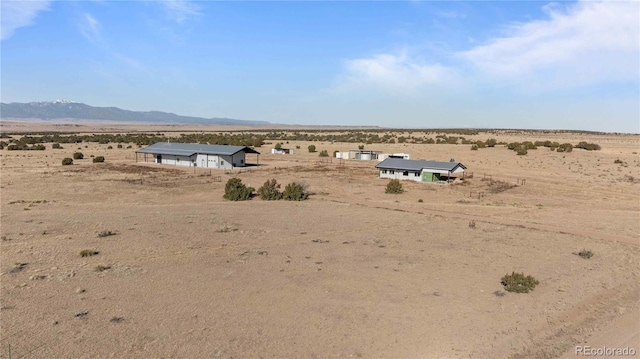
<point>507,222</point>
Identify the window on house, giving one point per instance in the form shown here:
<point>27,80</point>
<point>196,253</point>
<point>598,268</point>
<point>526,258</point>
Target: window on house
<point>405,173</point>
<point>384,171</point>
<point>391,172</point>
<point>416,174</point>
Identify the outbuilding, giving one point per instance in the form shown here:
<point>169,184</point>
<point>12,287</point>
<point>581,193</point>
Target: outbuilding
<point>360,154</point>
<point>197,155</point>
<point>282,151</point>
<point>421,170</point>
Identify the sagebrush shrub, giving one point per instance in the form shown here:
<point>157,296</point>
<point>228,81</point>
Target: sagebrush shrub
<point>88,253</point>
<point>312,148</point>
<point>270,191</point>
<point>394,187</point>
<point>78,156</point>
<point>67,161</point>
<point>588,146</point>
<point>98,159</point>
<point>324,153</point>
<point>519,283</point>
<point>295,192</point>
<point>585,254</point>
<point>235,190</point>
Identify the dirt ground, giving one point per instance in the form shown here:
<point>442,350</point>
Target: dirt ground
<point>351,272</point>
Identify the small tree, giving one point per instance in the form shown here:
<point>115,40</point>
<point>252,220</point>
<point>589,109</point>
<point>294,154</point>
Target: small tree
<point>324,153</point>
<point>56,146</point>
<point>394,187</point>
<point>278,146</point>
<point>361,147</point>
<point>312,148</point>
<point>98,159</point>
<point>235,190</point>
<point>295,192</point>
<point>491,142</point>
<point>78,156</point>
<point>270,191</point>
<point>67,161</point>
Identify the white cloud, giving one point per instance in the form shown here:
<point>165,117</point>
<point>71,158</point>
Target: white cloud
<point>180,10</point>
<point>90,28</point>
<point>590,42</point>
<point>399,73</point>
<point>17,14</point>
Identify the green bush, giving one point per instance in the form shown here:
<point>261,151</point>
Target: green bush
<point>98,159</point>
<point>106,233</point>
<point>394,187</point>
<point>270,191</point>
<point>278,146</point>
<point>588,146</point>
<point>311,148</point>
<point>521,151</point>
<point>491,142</point>
<point>474,148</point>
<point>235,190</point>
<point>324,153</point>
<point>480,144</point>
<point>101,268</point>
<point>295,192</point>
<point>56,146</point>
<point>67,161</point>
<point>585,254</point>
<point>119,145</point>
<point>513,145</point>
<point>78,156</point>
<point>517,282</point>
<point>88,253</point>
<point>565,147</point>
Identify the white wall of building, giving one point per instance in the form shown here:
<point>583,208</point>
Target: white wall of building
<point>177,160</point>
<point>204,161</point>
<point>401,175</point>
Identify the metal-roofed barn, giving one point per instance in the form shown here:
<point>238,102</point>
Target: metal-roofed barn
<point>197,155</point>
<point>420,170</point>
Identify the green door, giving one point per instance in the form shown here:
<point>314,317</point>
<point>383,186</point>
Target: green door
<point>430,177</point>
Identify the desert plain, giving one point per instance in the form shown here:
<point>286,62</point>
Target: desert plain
<point>352,272</point>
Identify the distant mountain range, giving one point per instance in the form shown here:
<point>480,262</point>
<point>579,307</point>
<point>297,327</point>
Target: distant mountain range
<point>65,110</point>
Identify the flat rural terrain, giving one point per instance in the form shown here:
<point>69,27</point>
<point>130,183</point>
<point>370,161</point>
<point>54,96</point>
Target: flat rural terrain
<point>176,271</point>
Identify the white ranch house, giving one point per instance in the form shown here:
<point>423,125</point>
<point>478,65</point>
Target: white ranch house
<point>420,170</point>
<point>196,155</point>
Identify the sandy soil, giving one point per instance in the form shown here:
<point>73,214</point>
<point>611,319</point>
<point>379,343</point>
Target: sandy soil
<point>352,272</point>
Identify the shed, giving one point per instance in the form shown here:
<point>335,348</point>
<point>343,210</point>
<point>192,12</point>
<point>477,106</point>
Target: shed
<point>282,151</point>
<point>197,155</point>
<point>360,154</point>
<point>420,170</point>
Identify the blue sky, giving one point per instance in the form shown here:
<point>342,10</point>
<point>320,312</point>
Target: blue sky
<point>502,64</point>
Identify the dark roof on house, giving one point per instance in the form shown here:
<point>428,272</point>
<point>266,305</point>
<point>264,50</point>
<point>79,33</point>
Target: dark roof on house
<point>190,149</point>
<point>417,165</point>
